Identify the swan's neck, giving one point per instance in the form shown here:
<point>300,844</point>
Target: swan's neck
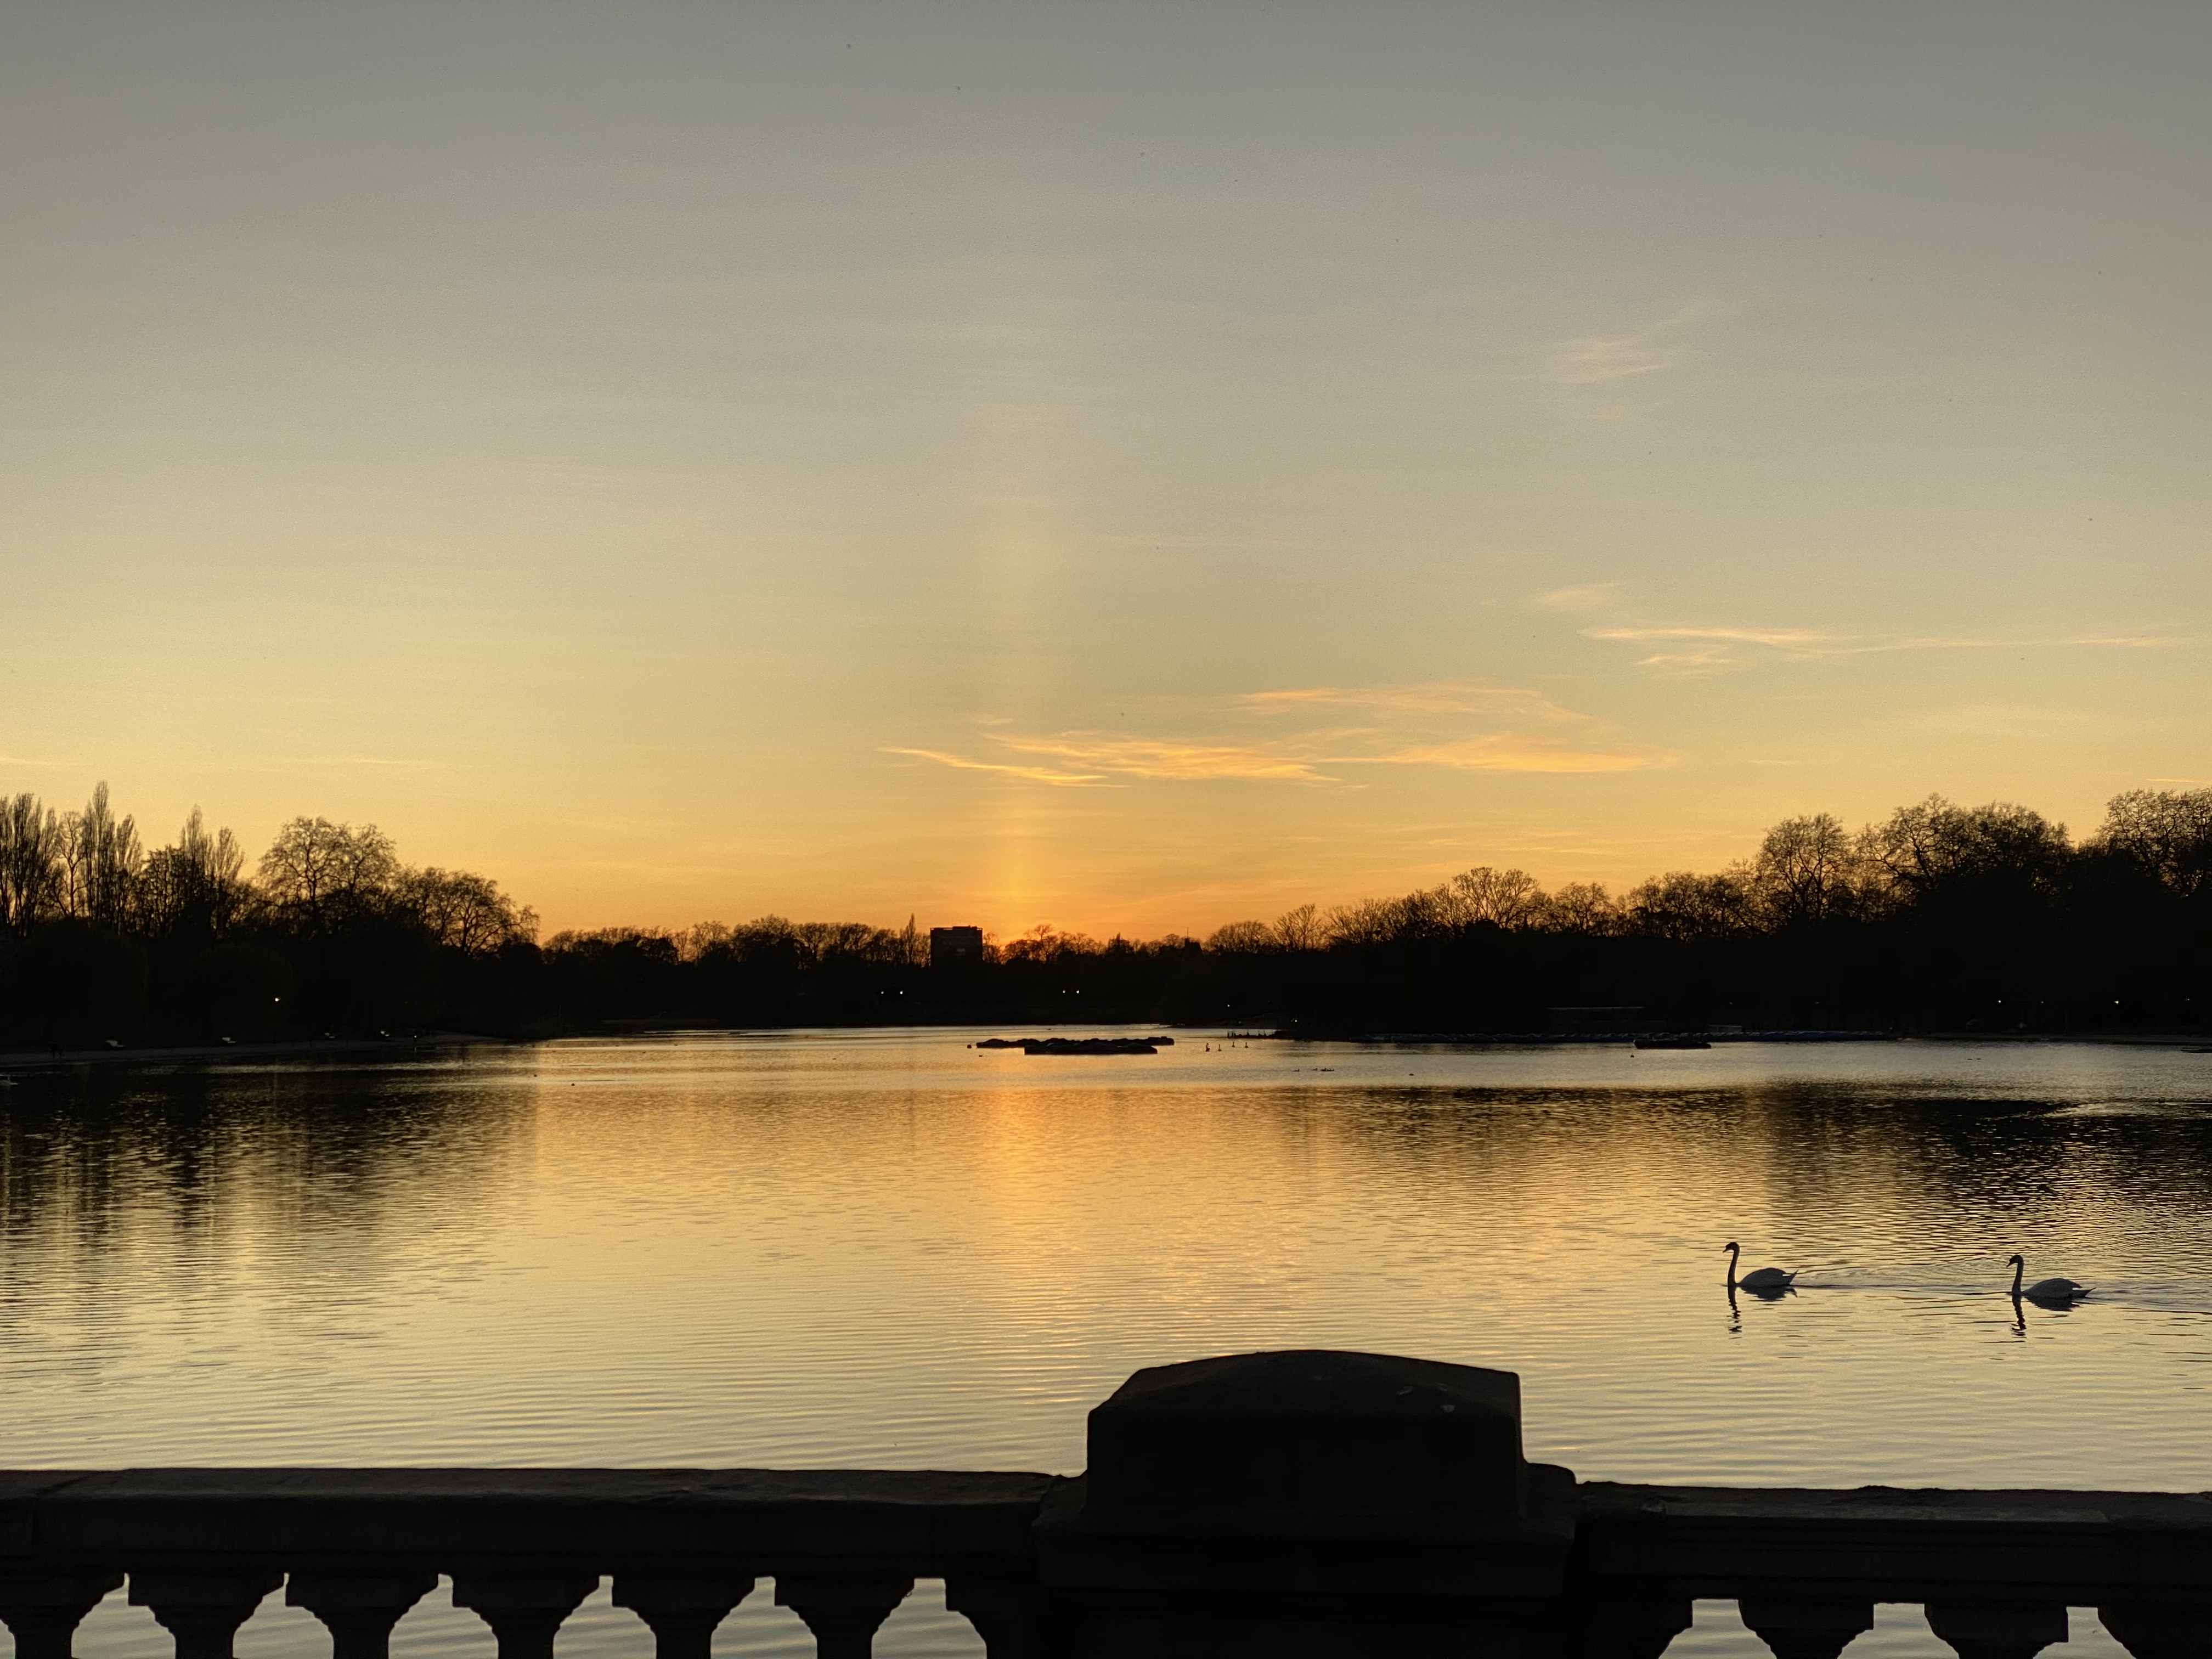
<point>2019,1272</point>
<point>1731,1278</point>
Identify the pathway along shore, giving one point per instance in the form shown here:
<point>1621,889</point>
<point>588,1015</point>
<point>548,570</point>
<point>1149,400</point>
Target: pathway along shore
<point>18,1060</point>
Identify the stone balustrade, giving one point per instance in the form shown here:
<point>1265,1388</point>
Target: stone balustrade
<point>1295,1505</point>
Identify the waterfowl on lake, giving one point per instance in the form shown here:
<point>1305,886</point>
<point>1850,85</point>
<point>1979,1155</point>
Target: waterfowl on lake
<point>1759,1278</point>
<point>2044,1289</point>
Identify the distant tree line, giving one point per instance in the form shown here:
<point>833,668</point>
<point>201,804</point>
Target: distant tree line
<point>1938,917</point>
<point>102,939</point>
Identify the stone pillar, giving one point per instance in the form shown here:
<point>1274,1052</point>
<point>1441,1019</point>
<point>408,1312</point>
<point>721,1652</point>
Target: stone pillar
<point>1306,1504</point>
<point>2003,1630</point>
<point>202,1609</point>
<point>681,1608</point>
<point>42,1610</point>
<point>360,1608</point>
<point>1806,1625</point>
<point>844,1612</point>
<point>2160,1630</point>
<point>1639,1626</point>
<point>524,1610</point>
<point>1004,1613</point>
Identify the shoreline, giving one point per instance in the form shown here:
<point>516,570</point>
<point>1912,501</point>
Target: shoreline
<point>17,1060</point>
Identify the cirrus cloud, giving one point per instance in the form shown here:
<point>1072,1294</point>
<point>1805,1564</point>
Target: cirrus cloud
<point>1034,774</point>
<point>1709,650</point>
<point>1461,726</point>
<point>1600,358</point>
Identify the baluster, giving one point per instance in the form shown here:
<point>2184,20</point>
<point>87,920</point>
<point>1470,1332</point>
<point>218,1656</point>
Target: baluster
<point>1808,1625</point>
<point>1632,1627</point>
<point>1996,1629</point>
<point>2153,1630</point>
<point>843,1612</point>
<point>43,1609</point>
<point>682,1610</point>
<point>203,1610</point>
<point>1004,1611</point>
<point>359,1609</point>
<point>524,1611</point>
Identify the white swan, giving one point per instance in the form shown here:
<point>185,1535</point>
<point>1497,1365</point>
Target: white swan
<point>2058,1291</point>
<point>1759,1278</point>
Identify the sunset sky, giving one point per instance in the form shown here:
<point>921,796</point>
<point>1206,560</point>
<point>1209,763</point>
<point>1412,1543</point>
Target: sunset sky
<point>1126,466</point>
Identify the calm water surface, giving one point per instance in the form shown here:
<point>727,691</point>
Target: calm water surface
<point>892,1248</point>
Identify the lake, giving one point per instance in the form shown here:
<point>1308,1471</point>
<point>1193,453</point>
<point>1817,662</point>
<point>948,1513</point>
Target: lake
<point>889,1248</point>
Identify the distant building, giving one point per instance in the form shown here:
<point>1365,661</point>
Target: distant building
<point>956,947</point>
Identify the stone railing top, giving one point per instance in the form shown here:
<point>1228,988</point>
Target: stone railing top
<point>953,1519</point>
<point>1900,1544</point>
<point>2041,1506</point>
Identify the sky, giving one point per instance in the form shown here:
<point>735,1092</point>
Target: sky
<point>1129,467</point>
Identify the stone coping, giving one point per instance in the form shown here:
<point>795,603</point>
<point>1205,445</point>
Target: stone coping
<point>961,1519</point>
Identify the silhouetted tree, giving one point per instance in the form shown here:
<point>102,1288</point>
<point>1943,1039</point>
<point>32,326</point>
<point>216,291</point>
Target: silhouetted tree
<point>2166,833</point>
<point>30,862</point>
<point>1936,852</point>
<point>1583,908</point>
<point>1808,870</point>
<point>1367,922</point>
<point>1682,907</point>
<point>1301,928</point>
<point>466,912</point>
<point>195,886</point>
<point>101,859</point>
<point>1247,939</point>
<point>320,870</point>
<point>1501,898</point>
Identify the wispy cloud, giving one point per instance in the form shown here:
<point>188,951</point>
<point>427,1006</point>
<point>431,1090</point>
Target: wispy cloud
<point>1034,774</point>
<point>1782,638</point>
<point>1150,757</point>
<point>1714,649</point>
<point>1467,725</point>
<point>1506,753</point>
<point>351,759</point>
<point>1602,359</point>
<point>1706,660</point>
<point>1429,697</point>
<point>1586,596</point>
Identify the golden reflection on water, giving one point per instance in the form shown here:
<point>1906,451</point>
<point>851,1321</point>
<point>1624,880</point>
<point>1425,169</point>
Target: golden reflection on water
<point>892,1248</point>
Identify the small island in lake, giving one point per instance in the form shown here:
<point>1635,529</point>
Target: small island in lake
<point>1143,1045</point>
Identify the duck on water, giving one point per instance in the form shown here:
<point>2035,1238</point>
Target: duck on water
<point>2050,1292</point>
<point>1759,1282</point>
